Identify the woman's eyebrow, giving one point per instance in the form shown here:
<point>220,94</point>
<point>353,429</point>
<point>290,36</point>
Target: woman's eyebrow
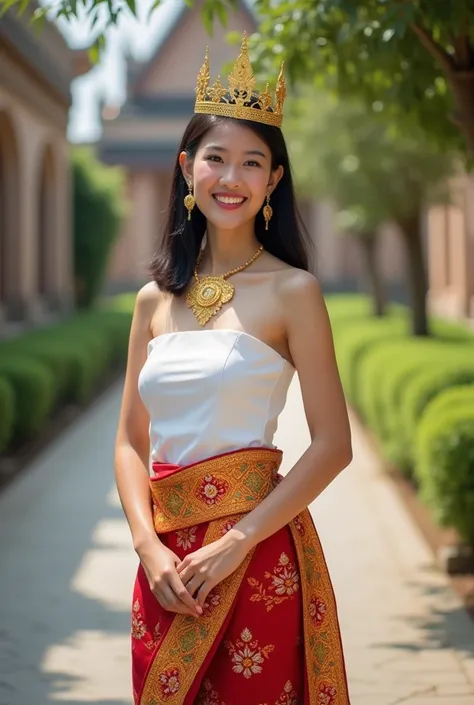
<point>218,148</point>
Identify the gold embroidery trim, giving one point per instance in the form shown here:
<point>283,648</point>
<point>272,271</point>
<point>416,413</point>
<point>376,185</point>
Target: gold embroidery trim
<point>323,648</point>
<point>222,486</point>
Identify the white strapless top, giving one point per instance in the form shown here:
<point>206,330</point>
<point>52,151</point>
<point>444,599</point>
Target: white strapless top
<point>210,392</point>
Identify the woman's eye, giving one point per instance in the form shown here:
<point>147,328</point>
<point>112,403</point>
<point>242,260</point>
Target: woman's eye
<point>213,157</point>
<point>252,162</point>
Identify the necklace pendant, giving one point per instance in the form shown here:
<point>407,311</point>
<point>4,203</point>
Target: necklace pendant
<point>207,297</point>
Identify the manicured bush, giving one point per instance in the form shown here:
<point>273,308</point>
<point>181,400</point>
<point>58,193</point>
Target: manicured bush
<point>406,390</point>
<point>64,363</point>
<point>425,387</point>
<point>355,340</point>
<point>120,303</point>
<point>456,397</point>
<point>343,307</point>
<point>115,325</point>
<point>445,459</point>
<point>386,372</point>
<point>7,412</point>
<point>69,353</point>
<point>34,389</point>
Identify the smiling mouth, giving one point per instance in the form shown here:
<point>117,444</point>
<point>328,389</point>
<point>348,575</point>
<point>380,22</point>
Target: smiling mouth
<point>229,201</point>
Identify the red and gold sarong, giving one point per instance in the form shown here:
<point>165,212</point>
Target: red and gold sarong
<point>269,634</point>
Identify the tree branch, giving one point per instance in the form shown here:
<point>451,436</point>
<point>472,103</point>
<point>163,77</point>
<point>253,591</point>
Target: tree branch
<point>434,48</point>
<point>462,50</point>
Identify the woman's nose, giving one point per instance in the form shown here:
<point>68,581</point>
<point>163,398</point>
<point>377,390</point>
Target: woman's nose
<point>230,178</point>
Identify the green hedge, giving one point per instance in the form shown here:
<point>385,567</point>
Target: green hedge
<point>387,373</point>
<point>7,412</point>
<point>427,384</point>
<point>445,459</point>
<point>61,364</point>
<point>33,385</point>
<point>395,381</point>
<point>354,339</point>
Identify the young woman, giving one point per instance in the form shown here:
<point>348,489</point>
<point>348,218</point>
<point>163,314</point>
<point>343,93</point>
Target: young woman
<point>233,603</point>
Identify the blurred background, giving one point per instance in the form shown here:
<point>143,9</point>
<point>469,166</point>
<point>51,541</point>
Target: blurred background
<point>379,121</point>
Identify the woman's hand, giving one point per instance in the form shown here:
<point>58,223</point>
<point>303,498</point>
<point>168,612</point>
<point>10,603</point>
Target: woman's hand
<point>159,564</point>
<point>203,569</point>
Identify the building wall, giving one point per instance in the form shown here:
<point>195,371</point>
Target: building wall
<point>36,221</point>
<point>148,194</point>
<point>36,273</point>
<point>451,252</point>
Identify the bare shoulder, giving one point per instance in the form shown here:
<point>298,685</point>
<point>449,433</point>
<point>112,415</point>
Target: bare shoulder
<point>298,288</point>
<point>148,301</point>
<point>148,298</point>
<point>149,295</point>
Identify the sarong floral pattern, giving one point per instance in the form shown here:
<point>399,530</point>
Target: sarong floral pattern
<point>246,655</point>
<point>269,634</point>
<point>284,583</point>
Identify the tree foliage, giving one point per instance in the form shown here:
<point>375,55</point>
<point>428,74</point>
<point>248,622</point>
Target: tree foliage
<point>374,172</point>
<point>99,209</point>
<point>404,57</point>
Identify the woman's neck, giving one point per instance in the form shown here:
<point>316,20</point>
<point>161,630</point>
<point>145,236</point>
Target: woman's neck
<point>227,250</point>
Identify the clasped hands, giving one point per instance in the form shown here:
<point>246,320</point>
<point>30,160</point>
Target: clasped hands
<point>203,569</point>
<point>182,586</point>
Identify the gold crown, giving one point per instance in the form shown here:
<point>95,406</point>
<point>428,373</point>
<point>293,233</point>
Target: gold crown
<point>234,101</point>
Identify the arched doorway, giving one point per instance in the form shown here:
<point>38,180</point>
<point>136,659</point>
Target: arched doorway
<point>9,211</point>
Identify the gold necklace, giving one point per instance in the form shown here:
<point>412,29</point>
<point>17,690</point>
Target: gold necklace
<point>207,295</point>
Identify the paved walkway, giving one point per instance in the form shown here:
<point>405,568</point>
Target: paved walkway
<point>67,570</point>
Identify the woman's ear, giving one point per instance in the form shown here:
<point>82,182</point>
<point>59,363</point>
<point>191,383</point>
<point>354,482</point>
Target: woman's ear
<point>186,167</point>
<point>275,177</point>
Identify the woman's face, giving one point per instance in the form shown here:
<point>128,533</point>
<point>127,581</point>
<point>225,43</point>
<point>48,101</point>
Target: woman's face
<point>231,175</point>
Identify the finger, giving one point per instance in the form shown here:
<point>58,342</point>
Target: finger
<point>181,565</point>
<point>183,595</point>
<point>186,574</point>
<point>194,584</point>
<point>203,593</point>
<point>170,602</point>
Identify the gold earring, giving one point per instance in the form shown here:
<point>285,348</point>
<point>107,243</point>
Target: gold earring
<point>189,200</point>
<point>267,212</point>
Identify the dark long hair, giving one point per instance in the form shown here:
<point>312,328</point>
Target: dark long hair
<point>286,238</point>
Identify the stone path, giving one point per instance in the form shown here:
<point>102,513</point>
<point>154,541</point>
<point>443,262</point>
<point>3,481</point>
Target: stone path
<point>67,570</point>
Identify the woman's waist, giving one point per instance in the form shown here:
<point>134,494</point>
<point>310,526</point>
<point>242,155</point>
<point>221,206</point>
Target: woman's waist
<point>216,487</point>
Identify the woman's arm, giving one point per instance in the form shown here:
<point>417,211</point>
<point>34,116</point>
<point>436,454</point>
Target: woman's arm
<point>132,448</point>
<point>132,444</point>
<point>312,350</point>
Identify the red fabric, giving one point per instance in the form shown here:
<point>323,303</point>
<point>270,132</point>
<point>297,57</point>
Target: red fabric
<point>239,670</point>
<point>258,657</point>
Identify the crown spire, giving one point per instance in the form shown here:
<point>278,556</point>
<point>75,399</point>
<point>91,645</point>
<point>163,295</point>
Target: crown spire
<point>240,100</point>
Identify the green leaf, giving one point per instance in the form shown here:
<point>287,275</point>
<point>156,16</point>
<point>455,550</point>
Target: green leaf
<point>222,14</point>
<point>97,48</point>
<point>6,5</point>
<point>207,16</point>
<point>23,4</point>
<point>156,4</point>
<point>38,19</point>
